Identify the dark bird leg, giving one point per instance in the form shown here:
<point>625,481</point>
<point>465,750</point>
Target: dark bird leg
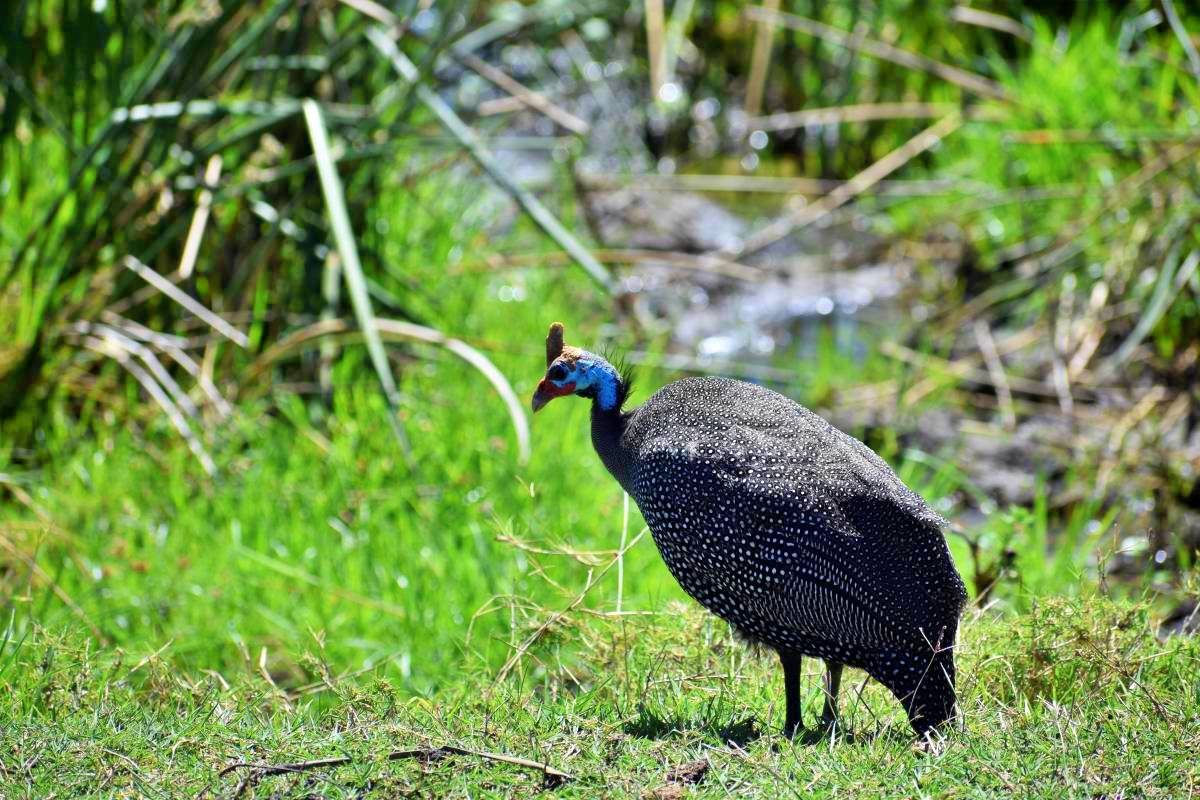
<point>833,681</point>
<point>791,686</point>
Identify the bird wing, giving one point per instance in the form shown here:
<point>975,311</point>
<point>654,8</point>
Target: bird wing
<point>760,535</point>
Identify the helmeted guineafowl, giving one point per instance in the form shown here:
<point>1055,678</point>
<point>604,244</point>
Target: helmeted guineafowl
<point>792,531</point>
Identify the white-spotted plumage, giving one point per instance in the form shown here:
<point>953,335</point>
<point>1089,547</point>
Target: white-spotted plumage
<point>794,532</point>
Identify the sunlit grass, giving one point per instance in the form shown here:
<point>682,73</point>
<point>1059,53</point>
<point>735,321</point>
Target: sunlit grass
<point>1071,699</point>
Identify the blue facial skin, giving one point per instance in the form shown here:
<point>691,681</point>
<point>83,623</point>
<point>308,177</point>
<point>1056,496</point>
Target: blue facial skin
<point>593,377</point>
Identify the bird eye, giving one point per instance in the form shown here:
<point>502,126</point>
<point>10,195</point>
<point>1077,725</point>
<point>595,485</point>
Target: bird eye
<point>557,372</point>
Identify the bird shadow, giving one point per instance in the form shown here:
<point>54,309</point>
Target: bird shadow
<point>649,725</point>
<point>808,737</point>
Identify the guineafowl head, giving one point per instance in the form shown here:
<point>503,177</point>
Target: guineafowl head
<point>570,370</point>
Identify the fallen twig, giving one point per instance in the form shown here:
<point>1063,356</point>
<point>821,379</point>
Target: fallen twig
<point>399,755</point>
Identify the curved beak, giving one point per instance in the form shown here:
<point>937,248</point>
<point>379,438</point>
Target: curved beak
<point>540,399</point>
<point>547,391</point>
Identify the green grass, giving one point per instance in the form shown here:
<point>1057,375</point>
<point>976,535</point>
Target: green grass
<point>391,563</point>
<point>1069,700</point>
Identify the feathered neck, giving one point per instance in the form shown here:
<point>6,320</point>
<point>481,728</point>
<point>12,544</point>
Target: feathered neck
<point>606,386</point>
<point>611,390</point>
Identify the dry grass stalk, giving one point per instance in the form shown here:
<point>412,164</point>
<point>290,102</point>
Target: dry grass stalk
<point>969,81</point>
<point>995,367</point>
<point>1115,446</point>
<point>760,60</point>
<point>191,247</point>
<point>108,347</point>
<point>475,146</point>
<point>527,97</point>
<point>655,46</point>
<point>594,577</point>
<point>1061,345</point>
<point>588,558</point>
<point>58,591</point>
<point>374,10</point>
<point>837,115</point>
<point>962,369</point>
<point>266,676</point>
<point>331,281</point>
<point>1068,244</point>
<point>1091,331</point>
<point>172,291</point>
<point>1167,289</point>
<point>651,258</point>
<point>147,357</point>
<point>988,19</point>
<point>397,330</point>
<point>853,187</point>
<point>1053,136</point>
<point>768,184</point>
<point>681,13</point>
<point>500,105</point>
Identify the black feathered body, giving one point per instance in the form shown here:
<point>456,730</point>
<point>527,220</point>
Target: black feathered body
<point>794,532</point>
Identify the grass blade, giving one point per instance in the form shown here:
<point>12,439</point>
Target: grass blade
<point>356,283</point>
<point>1160,301</point>
<point>179,296</point>
<point>1183,36</point>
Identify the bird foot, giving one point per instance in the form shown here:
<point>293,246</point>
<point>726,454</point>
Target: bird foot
<point>930,743</point>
